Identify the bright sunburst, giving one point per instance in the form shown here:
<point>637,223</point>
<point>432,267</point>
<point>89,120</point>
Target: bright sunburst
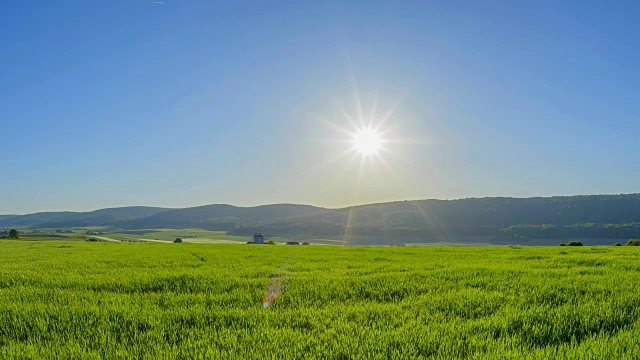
<point>367,141</point>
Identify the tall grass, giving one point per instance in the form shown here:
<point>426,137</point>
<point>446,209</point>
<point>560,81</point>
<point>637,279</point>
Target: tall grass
<point>169,301</point>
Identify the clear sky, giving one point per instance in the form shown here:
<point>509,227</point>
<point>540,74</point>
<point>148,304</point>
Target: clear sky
<point>182,103</point>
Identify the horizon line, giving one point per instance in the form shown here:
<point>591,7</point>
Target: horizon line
<point>323,207</point>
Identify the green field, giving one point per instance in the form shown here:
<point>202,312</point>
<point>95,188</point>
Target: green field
<point>168,235</point>
<point>75,299</point>
<point>192,236</point>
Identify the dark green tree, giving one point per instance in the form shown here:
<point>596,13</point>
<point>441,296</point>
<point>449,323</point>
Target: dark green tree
<point>14,234</point>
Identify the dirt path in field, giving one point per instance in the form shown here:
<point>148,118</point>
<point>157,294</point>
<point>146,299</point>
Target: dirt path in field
<point>104,238</point>
<point>153,240</point>
<point>132,239</point>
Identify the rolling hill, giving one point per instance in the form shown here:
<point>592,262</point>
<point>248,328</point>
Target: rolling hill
<point>216,216</point>
<point>36,218</point>
<point>63,219</point>
<point>498,219</point>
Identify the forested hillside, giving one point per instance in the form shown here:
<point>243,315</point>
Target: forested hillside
<point>63,219</point>
<point>593,216</point>
<point>610,216</point>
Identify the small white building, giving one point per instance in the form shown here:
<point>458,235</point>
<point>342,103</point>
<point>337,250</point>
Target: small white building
<point>258,238</point>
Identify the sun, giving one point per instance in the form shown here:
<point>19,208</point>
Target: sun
<point>367,141</point>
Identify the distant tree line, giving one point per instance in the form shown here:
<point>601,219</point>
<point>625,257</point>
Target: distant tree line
<point>544,231</point>
<point>11,234</point>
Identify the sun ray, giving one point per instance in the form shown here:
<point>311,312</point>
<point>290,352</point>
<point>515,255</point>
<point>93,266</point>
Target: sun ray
<point>374,107</point>
<point>355,90</point>
<point>333,126</point>
<point>440,232</point>
<point>346,114</point>
<point>389,113</point>
<point>346,154</point>
<point>346,233</point>
<point>360,172</point>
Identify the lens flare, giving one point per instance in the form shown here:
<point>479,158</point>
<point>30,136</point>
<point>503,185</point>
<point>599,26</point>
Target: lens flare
<point>277,284</point>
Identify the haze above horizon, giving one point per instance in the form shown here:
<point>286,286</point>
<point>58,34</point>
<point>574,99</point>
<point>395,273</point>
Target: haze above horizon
<point>179,103</point>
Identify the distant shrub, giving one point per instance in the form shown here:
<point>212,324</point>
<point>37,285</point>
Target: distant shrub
<point>617,244</point>
<point>305,243</point>
<point>271,242</point>
<point>14,234</point>
<point>177,241</point>
<point>633,242</point>
<point>575,243</point>
<point>563,244</point>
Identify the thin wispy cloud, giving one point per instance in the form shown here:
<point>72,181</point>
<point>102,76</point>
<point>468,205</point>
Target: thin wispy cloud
<point>158,2</point>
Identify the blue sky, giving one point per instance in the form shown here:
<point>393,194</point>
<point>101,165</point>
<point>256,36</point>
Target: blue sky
<point>114,103</point>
